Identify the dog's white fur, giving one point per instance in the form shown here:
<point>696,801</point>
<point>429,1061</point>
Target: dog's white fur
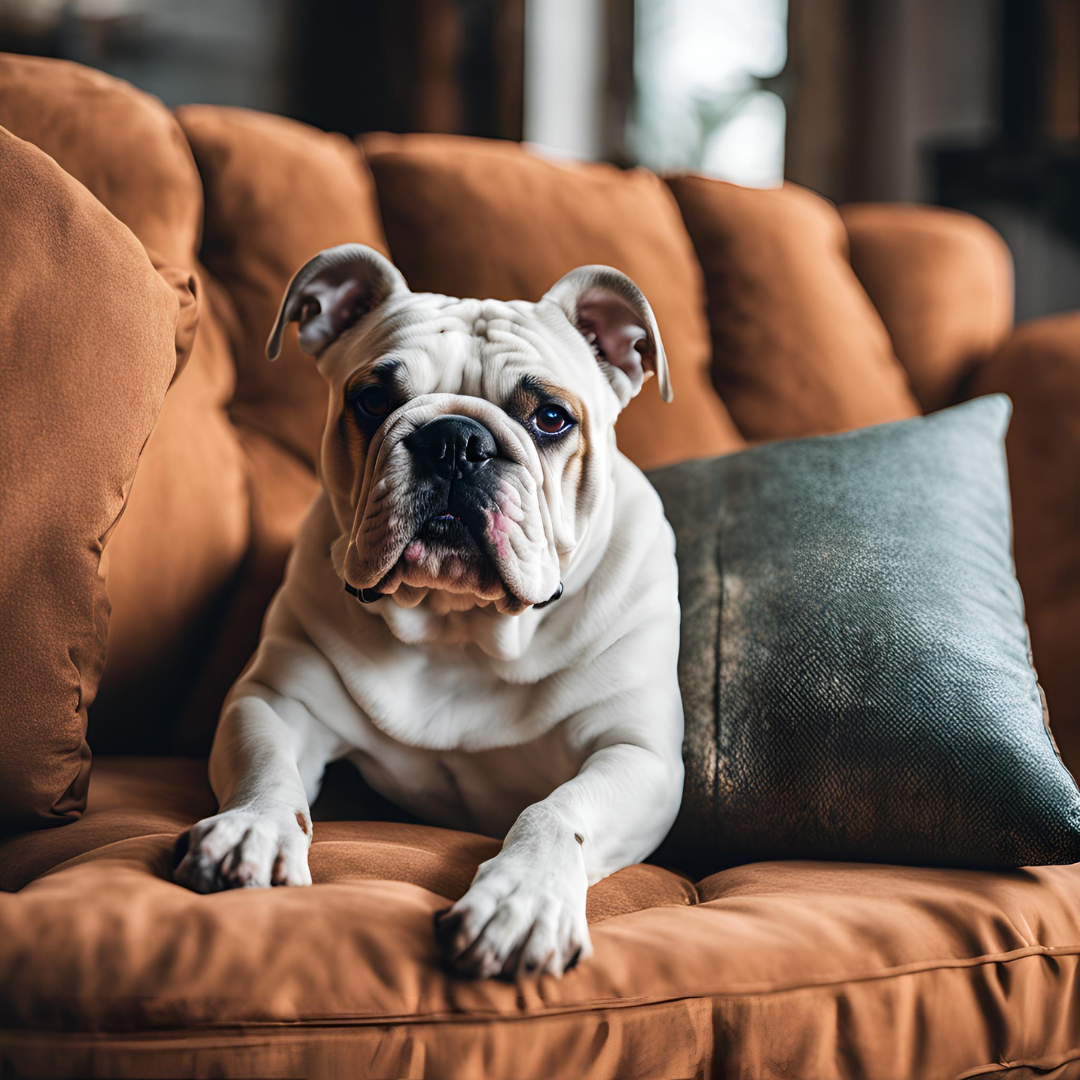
<point>559,728</point>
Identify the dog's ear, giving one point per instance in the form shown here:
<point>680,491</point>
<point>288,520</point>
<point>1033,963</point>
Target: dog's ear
<point>331,292</point>
<point>614,317</point>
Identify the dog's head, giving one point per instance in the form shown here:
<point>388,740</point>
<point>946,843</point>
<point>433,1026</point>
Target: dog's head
<point>468,442</point>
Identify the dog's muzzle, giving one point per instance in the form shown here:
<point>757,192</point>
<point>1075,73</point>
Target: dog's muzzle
<point>457,493</point>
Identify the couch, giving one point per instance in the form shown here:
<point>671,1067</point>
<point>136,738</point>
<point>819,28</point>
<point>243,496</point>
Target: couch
<point>783,316</point>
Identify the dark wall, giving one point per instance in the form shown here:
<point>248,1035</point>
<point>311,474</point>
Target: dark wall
<point>410,65</point>
<point>343,65</point>
<point>973,104</point>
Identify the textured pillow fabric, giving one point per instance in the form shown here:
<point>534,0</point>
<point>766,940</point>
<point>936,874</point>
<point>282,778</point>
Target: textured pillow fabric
<point>855,664</point>
<point>473,217</point>
<point>87,351</point>
<point>798,348</point>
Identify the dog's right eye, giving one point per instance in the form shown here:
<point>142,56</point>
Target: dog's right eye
<point>372,402</point>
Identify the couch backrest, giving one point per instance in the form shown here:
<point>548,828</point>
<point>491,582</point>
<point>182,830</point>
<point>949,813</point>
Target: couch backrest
<point>242,199</point>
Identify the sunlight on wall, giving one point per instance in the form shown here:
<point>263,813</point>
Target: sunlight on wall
<point>698,66</point>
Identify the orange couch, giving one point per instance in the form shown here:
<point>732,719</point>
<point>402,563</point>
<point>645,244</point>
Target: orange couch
<point>804,319</point>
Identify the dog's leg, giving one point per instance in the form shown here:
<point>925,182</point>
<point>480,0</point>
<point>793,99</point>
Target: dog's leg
<point>525,910</point>
<point>266,765</point>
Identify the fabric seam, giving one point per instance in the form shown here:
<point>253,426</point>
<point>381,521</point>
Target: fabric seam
<point>600,1004</point>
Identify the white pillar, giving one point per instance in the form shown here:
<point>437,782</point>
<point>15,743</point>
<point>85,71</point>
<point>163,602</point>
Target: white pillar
<point>564,76</point>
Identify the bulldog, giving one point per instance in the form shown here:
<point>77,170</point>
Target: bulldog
<point>480,610</point>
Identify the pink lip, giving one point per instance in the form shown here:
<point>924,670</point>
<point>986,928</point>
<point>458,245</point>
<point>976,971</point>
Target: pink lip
<point>500,526</point>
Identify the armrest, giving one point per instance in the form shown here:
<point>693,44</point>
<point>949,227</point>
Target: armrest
<point>1039,368</point>
<point>943,284</point>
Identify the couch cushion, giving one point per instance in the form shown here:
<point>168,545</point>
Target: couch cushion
<point>1039,368</point>
<point>87,351</point>
<point>176,551</point>
<point>470,217</point>
<point>185,528</point>
<point>942,282</point>
<point>798,348</point>
<point>773,969</point>
<point>120,143</point>
<point>129,796</point>
<point>277,192</point>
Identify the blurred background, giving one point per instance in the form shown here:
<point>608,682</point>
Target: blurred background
<point>967,103</point>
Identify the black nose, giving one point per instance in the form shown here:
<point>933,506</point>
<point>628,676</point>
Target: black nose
<point>453,446</point>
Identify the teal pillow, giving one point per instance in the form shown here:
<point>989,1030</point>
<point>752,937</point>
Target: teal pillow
<point>855,664</point>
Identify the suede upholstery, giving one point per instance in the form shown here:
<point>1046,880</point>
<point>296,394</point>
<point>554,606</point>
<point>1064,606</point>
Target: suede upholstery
<point>81,394</point>
<point>185,528</point>
<point>953,304</point>
<point>474,218</point>
<point>1039,368</point>
<point>797,346</point>
<point>776,969</point>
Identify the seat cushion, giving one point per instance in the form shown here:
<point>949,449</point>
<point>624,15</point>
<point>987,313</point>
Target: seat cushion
<point>474,217</point>
<point>767,970</point>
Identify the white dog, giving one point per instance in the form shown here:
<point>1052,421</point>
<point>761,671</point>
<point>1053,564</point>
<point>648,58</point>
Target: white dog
<point>470,480</point>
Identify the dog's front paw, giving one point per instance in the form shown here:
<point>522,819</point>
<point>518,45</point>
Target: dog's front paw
<point>521,915</point>
<point>244,848</point>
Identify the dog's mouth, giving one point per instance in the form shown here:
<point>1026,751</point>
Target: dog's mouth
<point>448,542</point>
<point>447,552</point>
<point>453,522</point>
<point>449,530</point>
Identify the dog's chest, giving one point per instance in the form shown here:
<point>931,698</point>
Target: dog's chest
<point>479,792</point>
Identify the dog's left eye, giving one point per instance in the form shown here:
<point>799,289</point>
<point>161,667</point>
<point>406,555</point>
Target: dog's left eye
<point>552,420</point>
<point>373,402</point>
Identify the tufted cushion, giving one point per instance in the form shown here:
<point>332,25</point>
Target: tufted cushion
<point>798,348</point>
<point>470,217</point>
<point>773,969</point>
